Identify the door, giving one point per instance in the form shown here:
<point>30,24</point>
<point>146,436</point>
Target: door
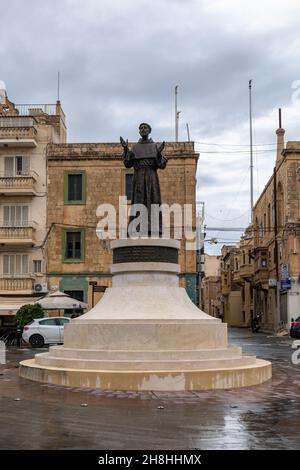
<point>16,166</point>
<point>283,307</point>
<point>62,322</point>
<point>49,329</point>
<point>78,295</point>
<point>15,216</point>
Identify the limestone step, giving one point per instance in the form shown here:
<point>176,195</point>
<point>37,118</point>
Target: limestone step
<point>145,365</point>
<point>166,354</point>
<point>207,379</point>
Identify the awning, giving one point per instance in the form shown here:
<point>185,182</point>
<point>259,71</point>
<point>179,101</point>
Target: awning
<point>10,306</point>
<point>61,301</point>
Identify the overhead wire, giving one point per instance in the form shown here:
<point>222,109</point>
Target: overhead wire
<point>234,145</point>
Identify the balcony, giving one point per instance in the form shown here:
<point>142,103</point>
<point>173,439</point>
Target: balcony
<point>19,185</point>
<point>237,277</point>
<point>17,235</point>
<point>225,289</point>
<point>246,271</point>
<point>261,277</point>
<point>17,131</point>
<point>17,284</point>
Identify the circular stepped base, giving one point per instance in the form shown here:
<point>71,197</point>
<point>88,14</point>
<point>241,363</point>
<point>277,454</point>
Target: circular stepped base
<point>164,380</point>
<point>146,334</point>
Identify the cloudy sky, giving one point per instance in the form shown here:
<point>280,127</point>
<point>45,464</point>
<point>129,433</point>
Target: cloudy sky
<point>119,61</point>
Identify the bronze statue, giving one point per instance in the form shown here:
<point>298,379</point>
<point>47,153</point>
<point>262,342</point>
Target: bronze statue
<point>145,157</point>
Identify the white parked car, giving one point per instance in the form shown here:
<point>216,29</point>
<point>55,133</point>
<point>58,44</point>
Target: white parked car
<point>45,331</point>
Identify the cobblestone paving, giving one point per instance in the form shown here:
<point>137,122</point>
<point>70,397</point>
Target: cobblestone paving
<point>267,416</point>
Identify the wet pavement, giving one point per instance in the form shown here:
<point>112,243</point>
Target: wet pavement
<point>267,416</point>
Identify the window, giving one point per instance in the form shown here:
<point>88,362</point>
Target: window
<point>15,264</point>
<point>261,230</point>
<point>73,245</point>
<point>15,216</point>
<point>16,166</point>
<point>62,321</point>
<point>48,322</point>
<point>37,266</point>
<point>263,263</point>
<point>129,185</point>
<point>75,185</point>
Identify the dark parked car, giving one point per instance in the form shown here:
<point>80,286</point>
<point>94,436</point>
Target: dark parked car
<point>295,328</point>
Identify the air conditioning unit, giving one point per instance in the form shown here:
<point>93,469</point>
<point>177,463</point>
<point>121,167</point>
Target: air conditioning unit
<point>40,288</point>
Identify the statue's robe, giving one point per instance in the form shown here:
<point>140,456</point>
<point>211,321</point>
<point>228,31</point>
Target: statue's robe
<point>145,158</point>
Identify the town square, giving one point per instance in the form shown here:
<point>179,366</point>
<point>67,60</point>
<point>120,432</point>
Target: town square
<point>149,231</point>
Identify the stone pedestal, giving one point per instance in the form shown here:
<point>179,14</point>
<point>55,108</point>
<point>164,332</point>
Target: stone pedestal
<point>146,334</point>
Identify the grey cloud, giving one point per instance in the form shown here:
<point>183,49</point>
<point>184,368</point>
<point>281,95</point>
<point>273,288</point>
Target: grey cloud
<point>119,63</point>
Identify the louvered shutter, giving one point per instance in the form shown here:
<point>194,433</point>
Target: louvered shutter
<point>6,212</point>
<point>25,166</point>
<point>9,166</point>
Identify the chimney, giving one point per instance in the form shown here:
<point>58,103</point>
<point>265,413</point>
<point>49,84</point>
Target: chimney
<point>280,139</point>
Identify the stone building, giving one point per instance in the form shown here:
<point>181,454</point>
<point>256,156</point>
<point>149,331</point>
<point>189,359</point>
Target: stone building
<point>211,284</point>
<point>266,267</point>
<point>231,303</point>
<point>80,178</point>
<point>244,276</point>
<point>25,132</point>
<point>276,218</point>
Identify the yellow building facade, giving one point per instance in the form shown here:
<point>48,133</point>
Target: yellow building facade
<point>80,178</point>
<point>276,218</point>
<point>231,303</point>
<point>211,285</point>
<point>262,273</point>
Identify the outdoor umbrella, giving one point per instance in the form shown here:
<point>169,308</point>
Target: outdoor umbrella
<point>60,301</point>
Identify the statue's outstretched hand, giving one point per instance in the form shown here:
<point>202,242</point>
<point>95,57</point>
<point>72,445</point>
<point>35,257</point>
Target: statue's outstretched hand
<point>161,147</point>
<point>123,143</point>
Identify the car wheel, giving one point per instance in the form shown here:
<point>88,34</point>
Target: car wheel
<point>36,341</point>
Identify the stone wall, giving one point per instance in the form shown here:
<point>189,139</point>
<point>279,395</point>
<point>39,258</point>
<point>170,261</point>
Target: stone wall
<point>105,182</point>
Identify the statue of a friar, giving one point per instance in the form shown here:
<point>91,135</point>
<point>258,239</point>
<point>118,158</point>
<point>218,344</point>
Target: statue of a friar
<point>145,157</point>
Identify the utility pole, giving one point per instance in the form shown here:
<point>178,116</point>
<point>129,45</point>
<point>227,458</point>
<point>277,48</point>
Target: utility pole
<point>188,131</point>
<point>278,284</point>
<point>279,116</point>
<point>176,114</point>
<point>251,149</point>
<point>58,85</point>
